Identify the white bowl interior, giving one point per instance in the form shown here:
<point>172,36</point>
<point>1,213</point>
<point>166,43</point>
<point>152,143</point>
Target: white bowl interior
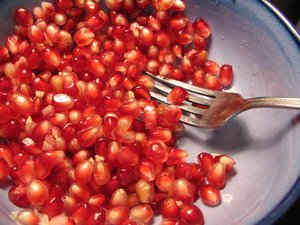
<point>264,142</point>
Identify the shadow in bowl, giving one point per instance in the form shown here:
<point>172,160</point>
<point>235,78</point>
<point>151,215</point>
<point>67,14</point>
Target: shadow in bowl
<point>235,136</point>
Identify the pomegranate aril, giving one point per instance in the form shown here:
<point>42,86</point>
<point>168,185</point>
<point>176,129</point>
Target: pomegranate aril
<point>212,67</point>
<point>37,192</point>
<point>183,191</point>
<point>226,75</point>
<point>80,191</point>
<point>177,95</point>
<point>213,82</point>
<point>84,171</point>
<point>169,208</point>
<point>101,173</point>
<point>27,217</point>
<point>191,214</point>
<point>119,198</point>
<point>36,35</point>
<point>144,190</point>
<point>202,28</point>
<point>165,181</point>
<point>17,195</point>
<point>217,175</point>
<point>118,214</point>
<point>23,17</point>
<point>142,213</point>
<point>51,56</point>
<point>210,195</point>
<point>147,170</point>
<point>127,157</point>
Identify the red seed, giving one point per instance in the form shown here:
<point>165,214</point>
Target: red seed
<point>27,217</point>
<point>127,157</point>
<point>51,56</point>
<point>217,175</point>
<point>210,195</point>
<point>183,191</point>
<point>202,28</point>
<point>177,95</point>
<point>36,35</point>
<point>23,17</point>
<point>191,214</point>
<point>226,75</point>
<point>84,171</point>
<point>37,192</point>
<point>169,208</point>
<point>62,102</point>
<point>101,173</point>
<point>142,213</point>
<point>156,150</point>
<point>118,214</point>
<point>144,190</point>
<point>165,181</point>
<point>17,195</point>
<point>23,103</point>
<point>213,82</point>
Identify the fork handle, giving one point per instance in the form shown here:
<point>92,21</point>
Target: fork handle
<point>272,102</point>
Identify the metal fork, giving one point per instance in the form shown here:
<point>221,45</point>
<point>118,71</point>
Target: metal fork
<point>217,107</point>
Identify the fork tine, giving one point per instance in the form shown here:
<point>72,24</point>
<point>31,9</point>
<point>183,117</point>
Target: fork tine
<point>187,108</point>
<point>188,87</point>
<point>190,98</point>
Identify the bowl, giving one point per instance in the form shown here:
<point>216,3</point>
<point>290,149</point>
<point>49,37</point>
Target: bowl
<point>263,48</point>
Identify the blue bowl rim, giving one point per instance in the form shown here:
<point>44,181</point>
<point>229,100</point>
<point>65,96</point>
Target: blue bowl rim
<point>294,194</point>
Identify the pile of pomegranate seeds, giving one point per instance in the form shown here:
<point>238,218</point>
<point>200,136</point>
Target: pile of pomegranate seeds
<point>83,143</point>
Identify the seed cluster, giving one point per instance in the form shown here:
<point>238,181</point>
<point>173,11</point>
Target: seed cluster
<point>83,141</point>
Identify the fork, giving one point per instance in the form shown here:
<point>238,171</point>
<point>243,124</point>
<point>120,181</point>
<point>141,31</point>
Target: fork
<point>216,107</point>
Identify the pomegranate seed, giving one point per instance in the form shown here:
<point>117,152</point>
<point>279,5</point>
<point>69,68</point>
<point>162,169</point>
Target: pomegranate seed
<point>156,150</point>
<point>127,157</point>
<point>217,175</point>
<point>101,173</point>
<point>176,156</point>
<point>144,190</point>
<point>212,67</point>
<point>27,217</point>
<point>210,195</point>
<point>80,191</point>
<point>62,102</point>
<point>142,213</point>
<point>226,75</point>
<point>17,195</point>
<point>37,192</point>
<point>202,28</point>
<point>147,170</point>
<point>119,198</point>
<point>169,208</point>
<point>51,56</point>
<point>162,5</point>
<point>183,191</point>
<point>191,214</point>
<point>213,82</point>
<point>165,181</point>
<point>118,214</point>
<point>227,161</point>
<point>84,171</point>
<point>177,95</point>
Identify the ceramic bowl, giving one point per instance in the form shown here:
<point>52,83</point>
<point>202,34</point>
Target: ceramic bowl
<point>264,50</point>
